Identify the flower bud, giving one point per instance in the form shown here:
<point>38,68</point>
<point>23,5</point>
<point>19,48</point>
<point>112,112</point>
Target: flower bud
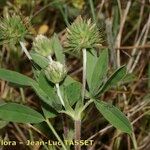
<point>42,45</point>
<point>55,72</point>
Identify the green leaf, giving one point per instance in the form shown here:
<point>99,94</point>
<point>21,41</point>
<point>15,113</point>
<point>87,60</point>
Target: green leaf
<point>73,92</point>
<point>42,95</point>
<point>116,77</point>
<point>39,60</point>
<point>19,113</point>
<point>15,77</point>
<point>100,71</point>
<point>129,78</point>
<point>68,80</point>
<point>92,59</point>
<point>58,49</point>
<point>49,90</point>
<point>48,111</point>
<point>114,116</point>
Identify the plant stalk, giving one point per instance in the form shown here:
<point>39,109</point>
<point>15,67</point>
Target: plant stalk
<point>84,73</point>
<point>50,59</point>
<point>77,126</point>
<point>59,94</point>
<point>86,105</point>
<point>25,50</point>
<point>55,133</point>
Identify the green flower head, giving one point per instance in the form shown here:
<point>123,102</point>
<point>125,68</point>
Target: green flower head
<point>55,72</point>
<point>82,34</point>
<point>43,45</point>
<point>12,29</point>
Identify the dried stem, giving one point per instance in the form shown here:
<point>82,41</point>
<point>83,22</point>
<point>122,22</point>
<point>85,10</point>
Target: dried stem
<point>134,51</point>
<point>118,40</point>
<point>133,62</point>
<point>110,40</point>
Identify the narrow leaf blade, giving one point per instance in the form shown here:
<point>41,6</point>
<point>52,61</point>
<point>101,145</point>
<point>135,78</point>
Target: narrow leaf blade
<point>39,60</point>
<point>19,113</point>
<point>48,89</point>
<point>114,116</point>
<point>92,59</point>
<point>58,49</point>
<point>43,96</point>
<point>73,92</point>
<point>100,71</point>
<point>15,77</point>
<point>116,77</point>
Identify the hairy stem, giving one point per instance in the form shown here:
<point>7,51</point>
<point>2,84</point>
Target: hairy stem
<point>87,104</point>
<point>25,50</point>
<point>56,135</point>
<point>77,126</point>
<point>59,94</point>
<point>50,58</point>
<point>84,73</point>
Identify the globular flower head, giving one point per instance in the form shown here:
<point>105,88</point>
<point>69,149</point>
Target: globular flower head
<point>82,34</point>
<point>43,45</point>
<point>12,29</point>
<point>55,72</point>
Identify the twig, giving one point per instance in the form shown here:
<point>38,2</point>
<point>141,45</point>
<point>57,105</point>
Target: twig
<point>101,131</point>
<point>20,132</point>
<point>118,39</point>
<point>140,20</point>
<point>143,42</point>
<point>37,130</point>
<point>135,50</point>
<point>137,47</point>
<point>110,40</point>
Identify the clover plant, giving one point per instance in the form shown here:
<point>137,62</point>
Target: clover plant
<point>57,90</point>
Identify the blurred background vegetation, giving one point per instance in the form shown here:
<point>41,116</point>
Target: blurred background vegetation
<point>125,25</point>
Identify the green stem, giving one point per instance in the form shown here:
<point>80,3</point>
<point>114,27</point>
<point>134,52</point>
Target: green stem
<point>84,73</point>
<point>50,59</point>
<point>55,133</point>
<point>25,50</point>
<point>59,94</point>
<point>86,105</point>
